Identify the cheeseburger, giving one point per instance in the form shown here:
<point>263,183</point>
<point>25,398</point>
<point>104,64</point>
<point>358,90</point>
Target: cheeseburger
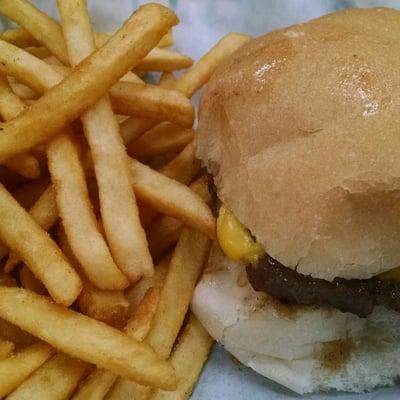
<point>300,133</point>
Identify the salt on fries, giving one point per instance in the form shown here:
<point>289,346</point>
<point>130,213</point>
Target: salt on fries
<point>72,99</point>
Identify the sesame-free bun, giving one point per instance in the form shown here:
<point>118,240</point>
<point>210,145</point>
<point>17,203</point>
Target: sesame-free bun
<point>304,348</point>
<point>301,130</point>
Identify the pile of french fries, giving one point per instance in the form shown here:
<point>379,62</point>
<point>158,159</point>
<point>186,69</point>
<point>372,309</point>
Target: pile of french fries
<point>98,180</point>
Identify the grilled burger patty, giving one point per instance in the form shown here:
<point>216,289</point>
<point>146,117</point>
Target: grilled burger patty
<point>358,296</point>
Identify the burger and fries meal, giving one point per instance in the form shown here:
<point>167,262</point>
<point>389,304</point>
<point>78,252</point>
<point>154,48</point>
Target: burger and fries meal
<point>275,224</point>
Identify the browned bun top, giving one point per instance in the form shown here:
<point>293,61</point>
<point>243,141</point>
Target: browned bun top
<point>301,130</point>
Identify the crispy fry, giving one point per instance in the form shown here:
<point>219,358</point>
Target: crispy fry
<point>109,306</point>
<point>162,139</point>
<point>171,197</point>
<point>19,37</point>
<point>201,72</point>
<point>6,348</point>
<point>38,250</point>
<point>78,218</point>
<point>29,282</point>
<point>164,60</point>
<point>188,359</point>
<point>85,338</point>
<point>15,369</point>
<point>22,91</point>
<point>184,167</point>
<point>133,127</point>
<point>57,378</point>
<point>43,28</point>
<point>149,101</point>
<point>86,84</point>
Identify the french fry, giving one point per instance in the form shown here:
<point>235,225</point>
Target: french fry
<point>6,348</point>
<point>85,338</point>
<point>99,382</point>
<point>109,306</point>
<point>23,92</point>
<point>19,37</point>
<point>162,234</point>
<point>133,127</point>
<point>171,197</point>
<point>40,52</point>
<point>184,167</point>
<point>164,60</point>
<point>162,139</point>
<point>37,250</point>
<point>15,369</point>
<point>201,72</point>
<point>78,218</point>
<point>57,378</point>
<point>29,282</point>
<point>188,359</point>
<point>88,83</point>
<point>184,270</point>
<point>43,28</point>
<point>136,293</point>
<point>119,211</point>
<point>149,101</point>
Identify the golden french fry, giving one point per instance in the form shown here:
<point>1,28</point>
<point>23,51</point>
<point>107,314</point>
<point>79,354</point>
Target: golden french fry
<point>184,167</point>
<point>201,72</point>
<point>6,348</point>
<point>184,270</point>
<point>29,282</point>
<point>162,234</point>
<point>171,197</point>
<point>109,306</point>
<point>188,359</point>
<point>149,101</point>
<point>162,139</point>
<point>99,382</point>
<point>78,218</point>
<point>86,84</point>
<point>164,60</point>
<point>57,378</point>
<point>15,369</point>
<point>19,37</point>
<point>167,80</point>
<point>43,28</point>
<point>120,215</point>
<point>85,338</point>
<point>23,92</point>
<point>133,127</point>
<point>167,40</point>
<point>37,250</point>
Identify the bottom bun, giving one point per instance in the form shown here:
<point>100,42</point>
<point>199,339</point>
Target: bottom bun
<point>304,348</point>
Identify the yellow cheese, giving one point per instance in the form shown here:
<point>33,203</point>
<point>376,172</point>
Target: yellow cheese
<point>235,240</point>
<point>393,274</point>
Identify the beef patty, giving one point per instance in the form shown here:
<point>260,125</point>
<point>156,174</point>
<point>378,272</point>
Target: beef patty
<point>358,296</point>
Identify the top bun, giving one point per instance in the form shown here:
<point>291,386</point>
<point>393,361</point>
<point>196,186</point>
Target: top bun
<point>301,130</point>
